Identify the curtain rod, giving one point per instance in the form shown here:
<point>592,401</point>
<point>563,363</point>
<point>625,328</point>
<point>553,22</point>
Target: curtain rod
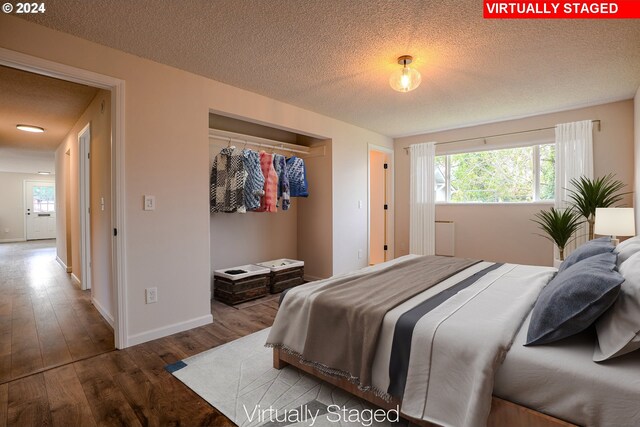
<point>500,134</point>
<point>280,147</point>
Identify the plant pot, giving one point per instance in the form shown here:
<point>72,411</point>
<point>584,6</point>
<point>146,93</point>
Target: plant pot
<point>557,262</point>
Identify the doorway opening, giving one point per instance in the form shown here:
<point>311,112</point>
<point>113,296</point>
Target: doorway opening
<point>380,204</point>
<point>114,196</point>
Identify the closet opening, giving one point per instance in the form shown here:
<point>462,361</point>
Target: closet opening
<point>380,204</point>
<point>300,230</point>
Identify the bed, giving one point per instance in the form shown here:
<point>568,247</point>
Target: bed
<point>461,336</point>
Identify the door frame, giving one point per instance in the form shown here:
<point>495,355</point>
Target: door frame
<point>390,201</point>
<point>24,201</point>
<point>116,86</point>
<point>84,204</point>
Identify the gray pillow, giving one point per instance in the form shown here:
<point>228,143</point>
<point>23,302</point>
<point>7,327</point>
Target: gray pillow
<point>587,250</point>
<point>619,328</point>
<point>627,248</point>
<point>574,299</point>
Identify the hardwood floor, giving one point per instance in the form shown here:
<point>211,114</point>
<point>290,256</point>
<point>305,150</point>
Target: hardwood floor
<point>121,387</point>
<point>45,319</point>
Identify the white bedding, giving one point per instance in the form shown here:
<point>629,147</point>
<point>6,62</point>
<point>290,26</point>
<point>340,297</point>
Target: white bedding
<point>464,340</point>
<point>562,380</point>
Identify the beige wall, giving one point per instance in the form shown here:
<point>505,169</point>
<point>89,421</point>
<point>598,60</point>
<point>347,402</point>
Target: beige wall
<point>12,207</point>
<point>505,232</point>
<point>166,155</point>
<point>98,113</point>
<point>315,237</point>
<point>636,122</point>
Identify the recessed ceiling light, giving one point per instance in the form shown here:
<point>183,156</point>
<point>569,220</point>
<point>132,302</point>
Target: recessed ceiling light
<point>44,173</point>
<point>30,128</point>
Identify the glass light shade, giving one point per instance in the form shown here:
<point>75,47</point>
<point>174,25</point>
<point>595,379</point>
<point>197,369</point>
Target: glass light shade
<point>615,222</point>
<point>405,79</point>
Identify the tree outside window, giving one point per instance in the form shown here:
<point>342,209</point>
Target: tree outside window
<point>512,175</point>
<point>43,198</point>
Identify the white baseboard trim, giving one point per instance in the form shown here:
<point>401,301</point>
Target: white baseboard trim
<point>12,240</point>
<point>107,316</point>
<point>63,265</point>
<point>168,330</point>
<point>75,279</point>
<point>312,278</point>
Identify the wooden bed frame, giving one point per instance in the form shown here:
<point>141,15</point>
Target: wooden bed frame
<point>503,413</point>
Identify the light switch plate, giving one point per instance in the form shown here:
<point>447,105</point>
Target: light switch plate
<point>149,203</point>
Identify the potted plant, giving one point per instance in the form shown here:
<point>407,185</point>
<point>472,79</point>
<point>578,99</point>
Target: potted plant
<point>559,226</point>
<point>589,194</point>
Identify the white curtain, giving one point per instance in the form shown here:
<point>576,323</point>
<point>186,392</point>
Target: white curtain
<point>422,207</point>
<point>574,158</point>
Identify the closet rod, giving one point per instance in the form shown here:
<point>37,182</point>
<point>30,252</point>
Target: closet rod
<point>500,134</point>
<point>259,144</point>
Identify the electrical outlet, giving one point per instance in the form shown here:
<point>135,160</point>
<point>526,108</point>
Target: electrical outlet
<point>359,253</point>
<point>151,295</point>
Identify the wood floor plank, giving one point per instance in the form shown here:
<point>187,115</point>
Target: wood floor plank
<point>108,404</point>
<point>5,336</point>
<point>25,347</point>
<point>4,402</point>
<point>35,293</point>
<point>28,404</point>
<point>67,401</point>
<point>53,346</point>
<point>78,340</point>
<point>153,357</point>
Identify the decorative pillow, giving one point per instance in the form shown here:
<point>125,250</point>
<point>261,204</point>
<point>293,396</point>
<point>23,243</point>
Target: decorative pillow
<point>619,328</point>
<point>587,250</point>
<point>574,299</point>
<point>627,248</point>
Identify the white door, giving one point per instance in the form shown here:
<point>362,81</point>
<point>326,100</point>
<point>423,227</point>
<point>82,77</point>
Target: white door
<point>40,210</point>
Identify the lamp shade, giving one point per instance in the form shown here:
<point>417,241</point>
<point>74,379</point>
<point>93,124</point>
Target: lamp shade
<point>615,222</point>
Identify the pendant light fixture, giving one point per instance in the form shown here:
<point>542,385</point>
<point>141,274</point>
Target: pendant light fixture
<point>405,79</point>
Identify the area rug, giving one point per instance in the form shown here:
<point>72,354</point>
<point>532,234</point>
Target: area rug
<point>238,379</point>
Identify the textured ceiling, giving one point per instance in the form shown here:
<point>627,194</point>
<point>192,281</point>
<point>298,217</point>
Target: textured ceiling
<point>335,57</point>
<point>33,99</point>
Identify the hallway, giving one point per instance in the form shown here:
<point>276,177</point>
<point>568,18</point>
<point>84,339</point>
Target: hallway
<point>45,319</point>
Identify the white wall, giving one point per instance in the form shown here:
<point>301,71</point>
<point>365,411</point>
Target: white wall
<point>166,155</point>
<point>636,121</point>
<point>12,206</point>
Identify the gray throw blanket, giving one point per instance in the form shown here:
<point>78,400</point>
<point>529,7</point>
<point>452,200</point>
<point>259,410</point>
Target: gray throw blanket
<point>345,319</point>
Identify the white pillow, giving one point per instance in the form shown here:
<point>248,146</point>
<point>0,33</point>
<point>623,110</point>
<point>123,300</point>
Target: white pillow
<point>627,248</point>
<point>619,327</point>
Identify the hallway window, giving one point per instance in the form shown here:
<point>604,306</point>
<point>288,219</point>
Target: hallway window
<point>43,198</point>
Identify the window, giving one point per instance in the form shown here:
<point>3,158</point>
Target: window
<point>511,175</point>
<point>43,198</point>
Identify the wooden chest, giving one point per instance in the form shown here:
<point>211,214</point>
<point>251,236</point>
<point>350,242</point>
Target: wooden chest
<point>285,279</point>
<point>239,284</point>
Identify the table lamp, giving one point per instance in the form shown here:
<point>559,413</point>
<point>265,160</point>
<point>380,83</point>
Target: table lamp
<point>615,222</point>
